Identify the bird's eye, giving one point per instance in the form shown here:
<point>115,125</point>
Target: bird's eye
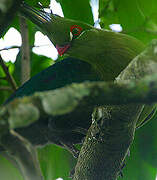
<point>75,30</point>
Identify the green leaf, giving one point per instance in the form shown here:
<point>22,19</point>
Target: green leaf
<point>8,171</point>
<point>142,162</point>
<point>78,10</point>
<point>45,3</point>
<point>136,168</point>
<point>137,17</point>
<point>134,16</point>
<point>38,63</point>
<point>107,14</point>
<point>147,143</point>
<point>55,162</point>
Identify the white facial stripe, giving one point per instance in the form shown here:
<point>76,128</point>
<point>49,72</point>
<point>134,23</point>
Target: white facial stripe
<point>71,36</point>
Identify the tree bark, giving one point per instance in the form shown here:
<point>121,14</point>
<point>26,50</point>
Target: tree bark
<point>25,61</point>
<point>112,131</point>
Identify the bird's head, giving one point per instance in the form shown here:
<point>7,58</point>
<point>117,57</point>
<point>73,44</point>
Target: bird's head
<point>61,31</point>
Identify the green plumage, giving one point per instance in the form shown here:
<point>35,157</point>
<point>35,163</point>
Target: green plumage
<point>56,76</point>
<point>57,129</point>
<point>108,52</point>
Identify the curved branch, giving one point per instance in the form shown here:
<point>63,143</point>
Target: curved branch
<point>5,88</point>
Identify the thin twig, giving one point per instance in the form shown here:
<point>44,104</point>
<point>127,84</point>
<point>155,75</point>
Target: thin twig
<point>3,78</point>
<point>5,88</point>
<point>25,62</point>
<point>8,75</point>
<point>8,48</point>
<point>151,31</point>
<point>18,47</point>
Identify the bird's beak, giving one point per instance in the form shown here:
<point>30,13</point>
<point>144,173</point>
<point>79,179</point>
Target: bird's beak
<point>42,18</point>
<point>62,49</point>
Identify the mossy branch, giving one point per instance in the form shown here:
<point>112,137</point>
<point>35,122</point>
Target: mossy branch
<point>112,130</point>
<point>67,99</point>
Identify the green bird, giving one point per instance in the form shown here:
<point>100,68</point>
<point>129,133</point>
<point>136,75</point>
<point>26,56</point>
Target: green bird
<point>106,51</point>
<point>103,55</point>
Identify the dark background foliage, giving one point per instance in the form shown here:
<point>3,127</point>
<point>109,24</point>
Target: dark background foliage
<point>137,18</point>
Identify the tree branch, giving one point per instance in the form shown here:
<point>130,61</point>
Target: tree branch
<point>18,47</point>
<point>5,88</point>
<point>3,78</point>
<point>89,94</point>
<point>25,62</point>
<point>8,75</point>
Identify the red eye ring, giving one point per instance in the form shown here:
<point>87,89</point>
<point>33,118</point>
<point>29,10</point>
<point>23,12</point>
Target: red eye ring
<point>77,27</point>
